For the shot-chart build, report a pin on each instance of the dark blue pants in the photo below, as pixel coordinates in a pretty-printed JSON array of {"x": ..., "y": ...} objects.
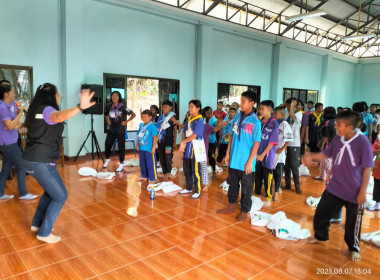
[
  {"x": 52, "y": 200},
  {"x": 12, "y": 156},
  {"x": 148, "y": 163}
]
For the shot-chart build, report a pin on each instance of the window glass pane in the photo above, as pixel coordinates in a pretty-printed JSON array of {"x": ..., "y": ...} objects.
[
  {"x": 295, "y": 93},
  {"x": 303, "y": 96},
  {"x": 312, "y": 95},
  {"x": 287, "y": 95}
]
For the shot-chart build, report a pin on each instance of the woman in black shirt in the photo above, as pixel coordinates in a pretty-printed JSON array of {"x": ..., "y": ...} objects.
[{"x": 116, "y": 117}]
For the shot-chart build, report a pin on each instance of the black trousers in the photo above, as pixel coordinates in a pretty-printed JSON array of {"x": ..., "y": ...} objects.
[
  {"x": 266, "y": 174},
  {"x": 291, "y": 165},
  {"x": 328, "y": 207},
  {"x": 303, "y": 147},
  {"x": 376, "y": 190},
  {"x": 222, "y": 152},
  {"x": 192, "y": 174},
  {"x": 314, "y": 147},
  {"x": 211, "y": 155},
  {"x": 234, "y": 178},
  {"x": 277, "y": 176},
  {"x": 111, "y": 136},
  {"x": 166, "y": 158}
]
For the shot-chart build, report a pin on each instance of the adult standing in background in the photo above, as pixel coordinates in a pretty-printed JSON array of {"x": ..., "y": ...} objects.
[
  {"x": 10, "y": 116},
  {"x": 116, "y": 117},
  {"x": 45, "y": 122}
]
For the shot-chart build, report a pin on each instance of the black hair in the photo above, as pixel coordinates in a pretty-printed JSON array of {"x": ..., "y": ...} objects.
[
  {"x": 317, "y": 105},
  {"x": 4, "y": 82},
  {"x": 267, "y": 103},
  {"x": 373, "y": 104},
  {"x": 378, "y": 111},
  {"x": 147, "y": 112},
  {"x": 4, "y": 88},
  {"x": 365, "y": 106},
  {"x": 347, "y": 109},
  {"x": 279, "y": 108},
  {"x": 205, "y": 109},
  {"x": 329, "y": 113},
  {"x": 358, "y": 107},
  {"x": 119, "y": 94},
  {"x": 289, "y": 100},
  {"x": 155, "y": 107},
  {"x": 310, "y": 102},
  {"x": 250, "y": 95},
  {"x": 86, "y": 86},
  {"x": 340, "y": 108},
  {"x": 351, "y": 118},
  {"x": 221, "y": 102},
  {"x": 45, "y": 96},
  {"x": 300, "y": 102},
  {"x": 234, "y": 109},
  {"x": 167, "y": 102},
  {"x": 196, "y": 103}
]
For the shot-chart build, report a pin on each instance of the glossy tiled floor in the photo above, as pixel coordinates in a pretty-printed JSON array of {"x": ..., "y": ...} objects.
[{"x": 171, "y": 237}]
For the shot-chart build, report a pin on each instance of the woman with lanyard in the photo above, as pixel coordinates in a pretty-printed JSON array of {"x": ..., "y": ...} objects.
[
  {"x": 45, "y": 122},
  {"x": 193, "y": 129},
  {"x": 10, "y": 116},
  {"x": 116, "y": 118}
]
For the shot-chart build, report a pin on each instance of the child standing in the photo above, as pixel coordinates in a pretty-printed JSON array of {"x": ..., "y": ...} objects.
[
  {"x": 313, "y": 129},
  {"x": 352, "y": 156},
  {"x": 245, "y": 137},
  {"x": 293, "y": 150},
  {"x": 285, "y": 136},
  {"x": 192, "y": 130},
  {"x": 210, "y": 124},
  {"x": 146, "y": 146},
  {"x": 219, "y": 113},
  {"x": 376, "y": 175},
  {"x": 225, "y": 135},
  {"x": 267, "y": 151},
  {"x": 166, "y": 134}
]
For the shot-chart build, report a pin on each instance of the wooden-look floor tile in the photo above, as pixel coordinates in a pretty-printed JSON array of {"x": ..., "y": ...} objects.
[
  {"x": 179, "y": 234},
  {"x": 108, "y": 259},
  {"x": 94, "y": 209},
  {"x": 158, "y": 221},
  {"x": 89, "y": 242},
  {"x": 185, "y": 213},
  {"x": 24, "y": 276},
  {"x": 25, "y": 240},
  {"x": 68, "y": 215},
  {"x": 109, "y": 219},
  {"x": 172, "y": 262},
  {"x": 147, "y": 245},
  {"x": 233, "y": 235},
  {"x": 45, "y": 255},
  {"x": 207, "y": 224},
  {"x": 6, "y": 246},
  {"x": 126, "y": 231},
  {"x": 206, "y": 248},
  {"x": 238, "y": 265},
  {"x": 3, "y": 233},
  {"x": 11, "y": 264},
  {"x": 202, "y": 272},
  {"x": 70, "y": 269},
  {"x": 15, "y": 227},
  {"x": 135, "y": 271},
  {"x": 274, "y": 274},
  {"x": 74, "y": 228},
  {"x": 119, "y": 203}
]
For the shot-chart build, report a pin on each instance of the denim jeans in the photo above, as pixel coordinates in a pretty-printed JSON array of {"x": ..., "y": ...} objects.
[
  {"x": 52, "y": 200},
  {"x": 12, "y": 156}
]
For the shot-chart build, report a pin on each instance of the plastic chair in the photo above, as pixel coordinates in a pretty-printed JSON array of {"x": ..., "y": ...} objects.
[{"x": 127, "y": 140}]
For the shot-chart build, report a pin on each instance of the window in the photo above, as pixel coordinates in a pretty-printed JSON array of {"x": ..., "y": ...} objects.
[
  {"x": 232, "y": 93},
  {"x": 304, "y": 95},
  {"x": 139, "y": 93}
]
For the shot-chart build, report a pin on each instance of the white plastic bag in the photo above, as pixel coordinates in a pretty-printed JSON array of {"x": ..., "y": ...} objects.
[{"x": 199, "y": 150}]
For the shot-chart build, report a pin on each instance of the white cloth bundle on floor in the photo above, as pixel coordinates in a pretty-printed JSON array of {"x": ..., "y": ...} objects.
[
  {"x": 132, "y": 162},
  {"x": 303, "y": 171},
  {"x": 376, "y": 240},
  {"x": 313, "y": 201},
  {"x": 224, "y": 185},
  {"x": 218, "y": 169},
  {"x": 260, "y": 219},
  {"x": 166, "y": 187},
  {"x": 174, "y": 171},
  {"x": 181, "y": 169},
  {"x": 87, "y": 171},
  {"x": 369, "y": 235},
  {"x": 257, "y": 203}
]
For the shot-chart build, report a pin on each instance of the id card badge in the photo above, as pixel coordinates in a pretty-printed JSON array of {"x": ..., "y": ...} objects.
[
  {"x": 189, "y": 133},
  {"x": 236, "y": 128},
  {"x": 141, "y": 134}
]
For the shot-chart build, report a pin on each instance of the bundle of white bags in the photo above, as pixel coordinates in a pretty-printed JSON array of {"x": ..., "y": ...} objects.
[
  {"x": 166, "y": 187},
  {"x": 373, "y": 237},
  {"x": 88, "y": 171},
  {"x": 132, "y": 162}
]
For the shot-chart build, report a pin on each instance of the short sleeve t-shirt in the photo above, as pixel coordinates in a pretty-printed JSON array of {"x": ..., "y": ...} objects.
[
  {"x": 296, "y": 128},
  {"x": 349, "y": 160},
  {"x": 197, "y": 127},
  {"x": 145, "y": 136},
  {"x": 219, "y": 116},
  {"x": 213, "y": 121},
  {"x": 269, "y": 135},
  {"x": 166, "y": 137},
  {"x": 225, "y": 132},
  {"x": 328, "y": 131},
  {"x": 46, "y": 115},
  {"x": 7, "y": 112},
  {"x": 285, "y": 134},
  {"x": 368, "y": 119},
  {"x": 245, "y": 131},
  {"x": 207, "y": 133},
  {"x": 117, "y": 114}
]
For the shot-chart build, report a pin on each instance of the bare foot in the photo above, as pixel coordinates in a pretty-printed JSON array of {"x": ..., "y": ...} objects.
[
  {"x": 166, "y": 176},
  {"x": 280, "y": 190},
  {"x": 276, "y": 199},
  {"x": 205, "y": 188},
  {"x": 313, "y": 240},
  {"x": 153, "y": 182},
  {"x": 267, "y": 204},
  {"x": 355, "y": 256},
  {"x": 142, "y": 179}
]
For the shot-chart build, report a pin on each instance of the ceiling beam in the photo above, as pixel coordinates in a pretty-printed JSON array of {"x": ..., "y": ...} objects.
[
  {"x": 213, "y": 5},
  {"x": 273, "y": 19}
]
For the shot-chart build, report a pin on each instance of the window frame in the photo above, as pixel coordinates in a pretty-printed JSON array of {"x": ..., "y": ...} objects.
[{"x": 299, "y": 93}]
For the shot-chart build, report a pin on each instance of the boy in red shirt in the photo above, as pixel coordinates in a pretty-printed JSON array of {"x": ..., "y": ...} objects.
[
  {"x": 219, "y": 113},
  {"x": 376, "y": 175}
]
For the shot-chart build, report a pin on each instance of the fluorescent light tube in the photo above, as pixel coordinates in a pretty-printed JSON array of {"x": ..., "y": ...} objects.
[
  {"x": 316, "y": 13},
  {"x": 357, "y": 37}
]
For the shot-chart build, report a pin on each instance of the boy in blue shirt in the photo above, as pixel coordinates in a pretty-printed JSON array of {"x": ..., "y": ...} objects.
[
  {"x": 146, "y": 146},
  {"x": 245, "y": 137},
  {"x": 267, "y": 151}
]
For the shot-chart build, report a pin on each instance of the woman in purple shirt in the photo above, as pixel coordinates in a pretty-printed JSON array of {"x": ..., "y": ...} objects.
[
  {"x": 45, "y": 122},
  {"x": 10, "y": 116}
]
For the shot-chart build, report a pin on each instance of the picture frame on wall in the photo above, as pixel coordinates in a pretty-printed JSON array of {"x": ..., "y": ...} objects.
[{"x": 21, "y": 79}]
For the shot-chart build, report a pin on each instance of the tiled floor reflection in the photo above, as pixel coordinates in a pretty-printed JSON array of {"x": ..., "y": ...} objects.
[{"x": 112, "y": 230}]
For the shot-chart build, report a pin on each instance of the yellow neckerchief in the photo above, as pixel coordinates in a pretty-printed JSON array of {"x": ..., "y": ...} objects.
[
  {"x": 192, "y": 119},
  {"x": 301, "y": 111},
  {"x": 318, "y": 121}
]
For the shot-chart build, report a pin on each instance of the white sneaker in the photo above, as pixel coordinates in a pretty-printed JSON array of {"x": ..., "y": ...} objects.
[
  {"x": 120, "y": 168},
  {"x": 28, "y": 196},
  {"x": 185, "y": 191},
  {"x": 49, "y": 239},
  {"x": 195, "y": 195},
  {"x": 6, "y": 196},
  {"x": 106, "y": 163}
]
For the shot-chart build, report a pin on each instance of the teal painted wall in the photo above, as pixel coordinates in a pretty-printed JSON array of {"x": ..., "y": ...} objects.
[{"x": 70, "y": 42}]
